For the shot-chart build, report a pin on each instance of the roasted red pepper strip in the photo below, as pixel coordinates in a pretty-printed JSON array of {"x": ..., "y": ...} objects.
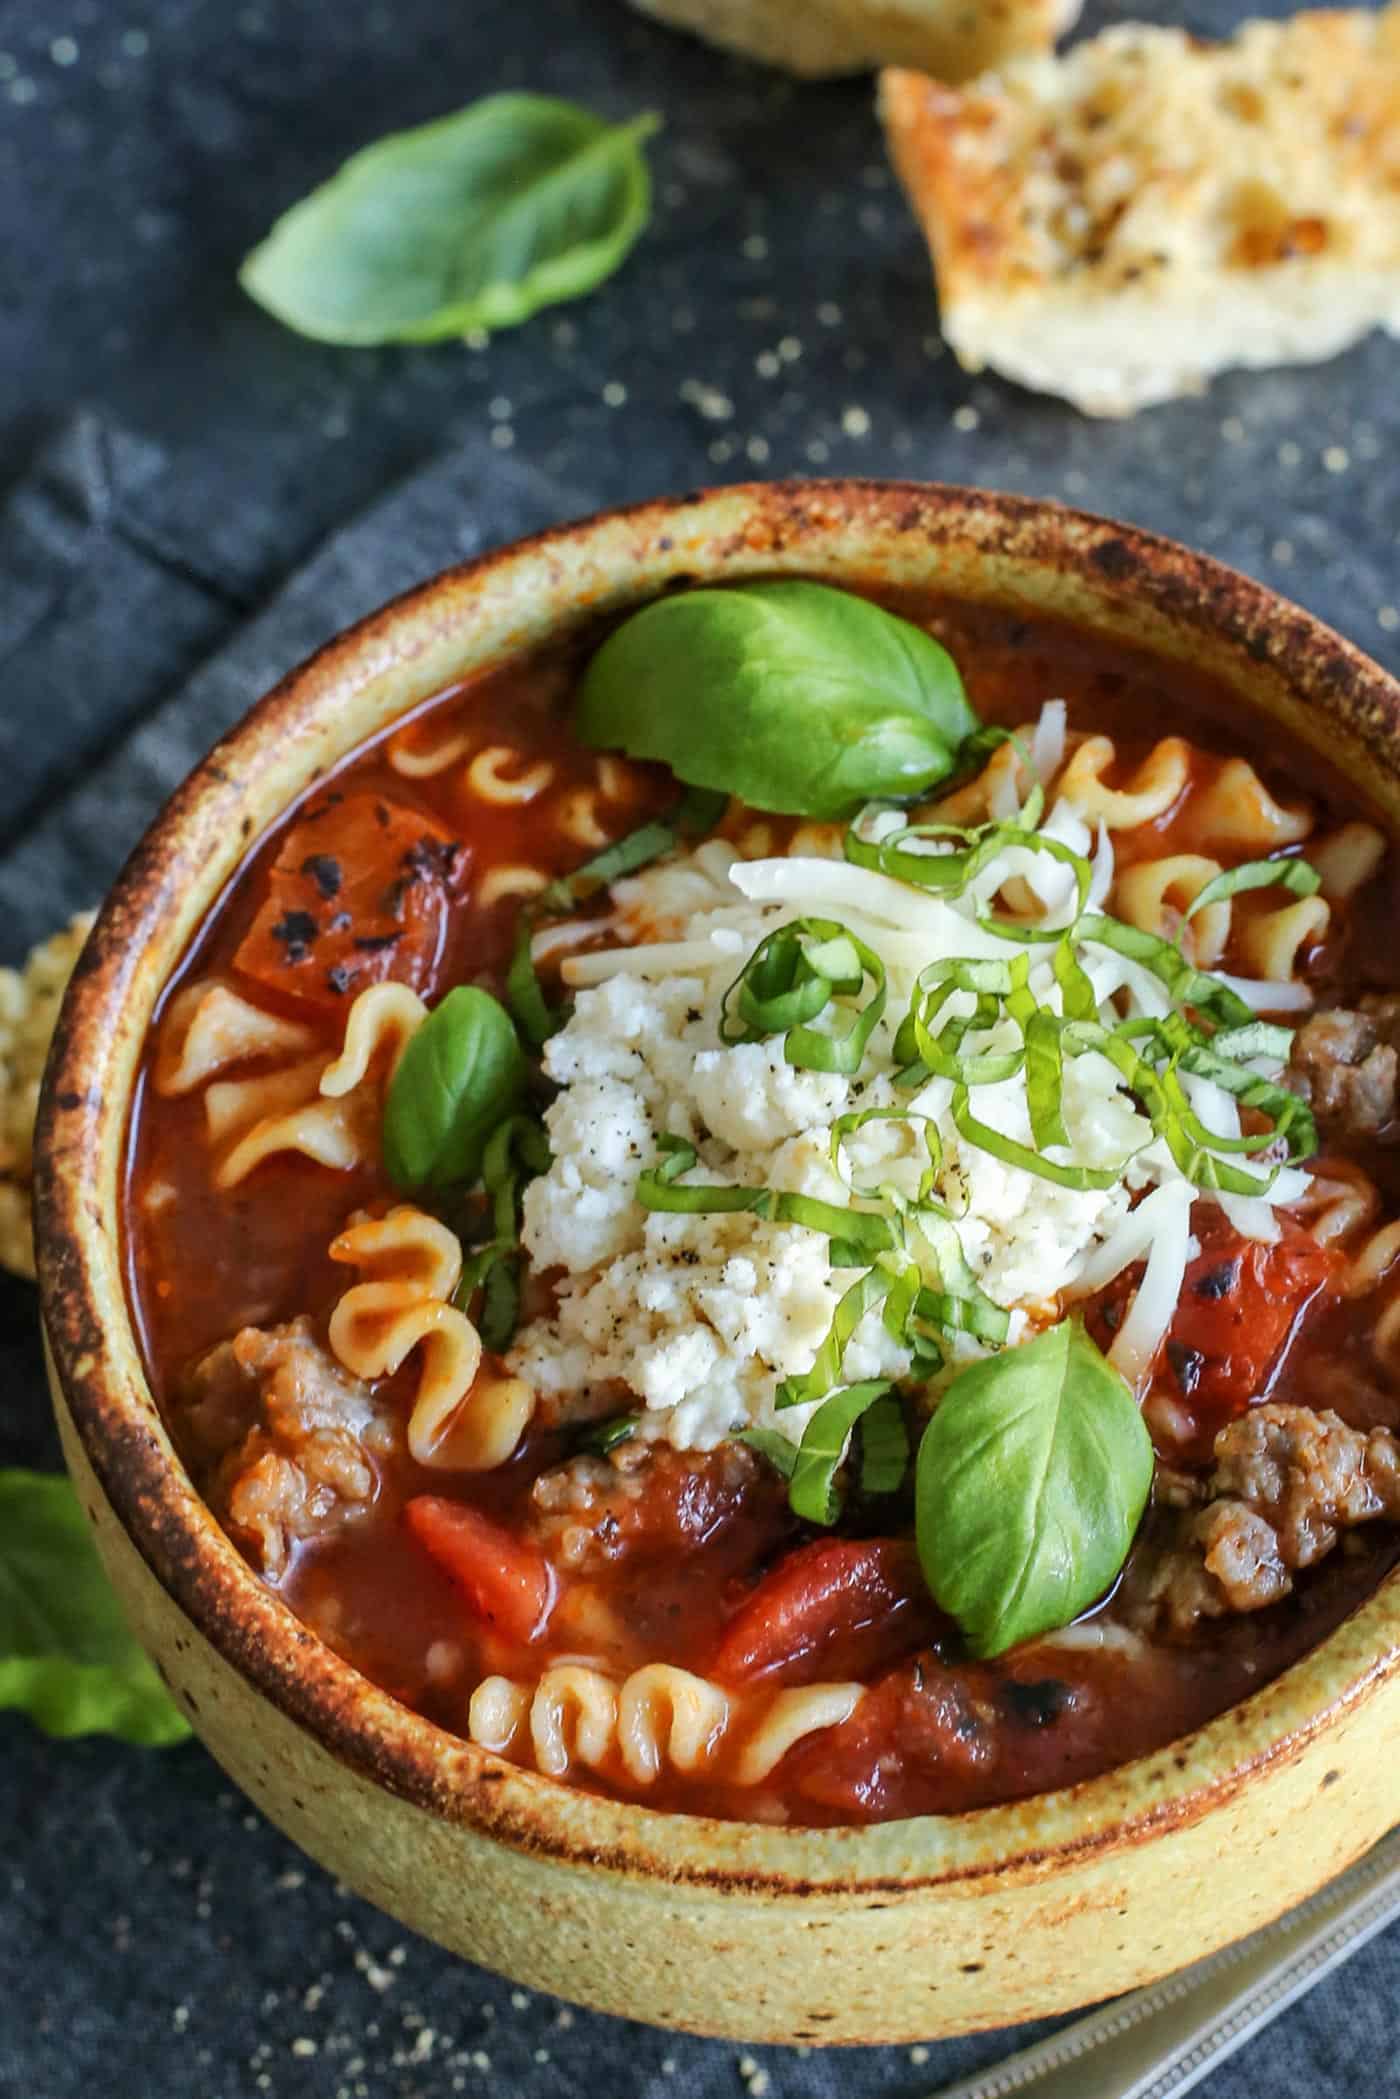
[{"x": 358, "y": 894}]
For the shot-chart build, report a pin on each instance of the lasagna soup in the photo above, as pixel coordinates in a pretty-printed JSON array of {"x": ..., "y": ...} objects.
[{"x": 787, "y": 1312}]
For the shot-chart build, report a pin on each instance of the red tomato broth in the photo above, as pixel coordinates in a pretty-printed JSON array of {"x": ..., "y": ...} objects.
[{"x": 393, "y": 1594}]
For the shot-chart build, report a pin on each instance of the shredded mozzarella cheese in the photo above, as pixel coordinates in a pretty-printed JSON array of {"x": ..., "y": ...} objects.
[{"x": 699, "y": 1317}]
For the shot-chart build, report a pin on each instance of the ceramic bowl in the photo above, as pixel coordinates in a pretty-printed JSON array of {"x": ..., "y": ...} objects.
[{"x": 908, "y": 1930}]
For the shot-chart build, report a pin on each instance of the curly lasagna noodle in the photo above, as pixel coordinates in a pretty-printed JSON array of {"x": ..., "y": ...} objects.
[{"x": 799, "y": 1316}]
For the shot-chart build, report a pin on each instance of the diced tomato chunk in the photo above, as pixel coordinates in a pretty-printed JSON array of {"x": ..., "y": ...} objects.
[
  {"x": 933, "y": 1737},
  {"x": 506, "y": 1582},
  {"x": 921, "y": 1730},
  {"x": 1241, "y": 1306},
  {"x": 841, "y": 1605},
  {"x": 358, "y": 895}
]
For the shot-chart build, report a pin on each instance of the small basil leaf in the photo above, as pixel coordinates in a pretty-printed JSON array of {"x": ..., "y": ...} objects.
[
  {"x": 1032, "y": 1477},
  {"x": 796, "y": 697},
  {"x": 475, "y": 221},
  {"x": 462, "y": 1074},
  {"x": 66, "y": 1656}
]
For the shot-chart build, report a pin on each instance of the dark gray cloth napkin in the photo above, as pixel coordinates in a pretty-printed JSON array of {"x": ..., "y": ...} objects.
[{"x": 156, "y": 1935}]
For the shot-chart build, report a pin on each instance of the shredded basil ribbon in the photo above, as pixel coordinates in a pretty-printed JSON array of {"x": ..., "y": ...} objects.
[
  {"x": 1188, "y": 985},
  {"x": 697, "y": 811},
  {"x": 915, "y": 1272},
  {"x": 966, "y": 852},
  {"x": 884, "y": 1446},
  {"x": 904, "y": 1246},
  {"x": 811, "y": 1467},
  {"x": 864, "y": 1233},
  {"x": 1023, "y": 1156},
  {"x": 790, "y": 980},
  {"x": 516, "y": 1151},
  {"x": 770, "y": 1443},
  {"x": 846, "y": 1126},
  {"x": 657, "y": 1190},
  {"x": 602, "y": 1436},
  {"x": 814, "y": 1492},
  {"x": 869, "y": 1290},
  {"x": 1298, "y": 876}
]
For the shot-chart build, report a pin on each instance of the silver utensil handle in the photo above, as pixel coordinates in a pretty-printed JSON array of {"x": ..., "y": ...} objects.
[{"x": 1159, "y": 2042}]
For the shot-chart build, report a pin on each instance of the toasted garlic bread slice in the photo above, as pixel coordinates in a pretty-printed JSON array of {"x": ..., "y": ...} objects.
[
  {"x": 953, "y": 39},
  {"x": 29, "y": 1003},
  {"x": 1118, "y": 224}
]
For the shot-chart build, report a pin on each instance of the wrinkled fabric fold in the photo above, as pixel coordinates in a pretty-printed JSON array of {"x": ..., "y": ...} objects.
[{"x": 127, "y": 655}]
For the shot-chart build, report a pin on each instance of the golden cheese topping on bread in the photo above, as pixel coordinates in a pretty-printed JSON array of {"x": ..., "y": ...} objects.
[
  {"x": 1118, "y": 224},
  {"x": 954, "y": 39}
]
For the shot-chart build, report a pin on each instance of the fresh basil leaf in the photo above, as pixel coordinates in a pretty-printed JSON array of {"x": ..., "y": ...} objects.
[
  {"x": 66, "y": 1656},
  {"x": 476, "y": 221},
  {"x": 796, "y": 697},
  {"x": 1299, "y": 877},
  {"x": 1032, "y": 1477},
  {"x": 462, "y": 1074}
]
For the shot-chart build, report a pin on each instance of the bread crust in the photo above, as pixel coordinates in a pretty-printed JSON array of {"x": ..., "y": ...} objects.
[
  {"x": 950, "y": 38},
  {"x": 1118, "y": 224},
  {"x": 29, "y": 1003}
]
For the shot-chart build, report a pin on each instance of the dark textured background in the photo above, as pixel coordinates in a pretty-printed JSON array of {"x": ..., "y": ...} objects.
[{"x": 156, "y": 1937}]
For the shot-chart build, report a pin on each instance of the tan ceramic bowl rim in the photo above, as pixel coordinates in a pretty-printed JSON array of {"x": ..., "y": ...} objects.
[{"x": 82, "y": 1126}]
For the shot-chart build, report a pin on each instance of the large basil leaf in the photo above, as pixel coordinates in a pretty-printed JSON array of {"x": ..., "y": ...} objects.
[
  {"x": 1032, "y": 1477},
  {"x": 476, "y": 221},
  {"x": 797, "y": 697},
  {"x": 462, "y": 1074},
  {"x": 66, "y": 1656}
]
